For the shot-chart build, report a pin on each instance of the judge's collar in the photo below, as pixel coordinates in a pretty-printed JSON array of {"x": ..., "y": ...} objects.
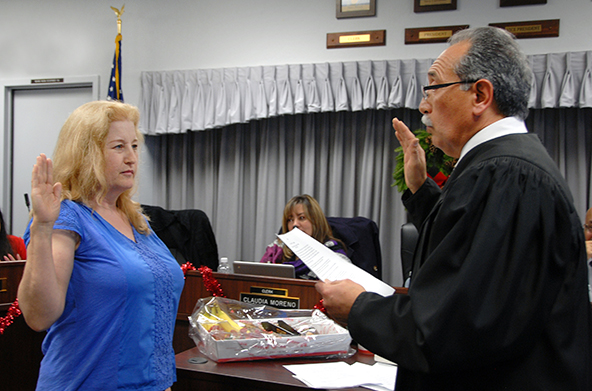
[{"x": 502, "y": 127}]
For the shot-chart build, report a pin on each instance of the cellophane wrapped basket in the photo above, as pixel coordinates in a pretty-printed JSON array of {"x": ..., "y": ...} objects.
[{"x": 229, "y": 330}]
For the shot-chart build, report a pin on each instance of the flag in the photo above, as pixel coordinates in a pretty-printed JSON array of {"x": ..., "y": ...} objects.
[{"x": 115, "y": 92}]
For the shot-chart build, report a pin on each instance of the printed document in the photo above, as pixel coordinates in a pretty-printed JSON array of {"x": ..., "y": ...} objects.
[
  {"x": 380, "y": 376},
  {"x": 327, "y": 265}
]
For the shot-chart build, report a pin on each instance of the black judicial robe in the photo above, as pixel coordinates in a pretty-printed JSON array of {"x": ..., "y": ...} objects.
[{"x": 498, "y": 297}]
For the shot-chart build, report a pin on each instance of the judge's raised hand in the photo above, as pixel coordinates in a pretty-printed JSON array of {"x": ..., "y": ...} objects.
[
  {"x": 589, "y": 248},
  {"x": 45, "y": 195},
  {"x": 339, "y": 297},
  {"x": 415, "y": 160}
]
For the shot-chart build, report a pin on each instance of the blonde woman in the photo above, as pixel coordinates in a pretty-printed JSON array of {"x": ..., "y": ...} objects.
[{"x": 97, "y": 278}]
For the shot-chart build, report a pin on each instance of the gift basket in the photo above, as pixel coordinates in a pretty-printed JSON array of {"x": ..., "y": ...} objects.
[{"x": 229, "y": 330}]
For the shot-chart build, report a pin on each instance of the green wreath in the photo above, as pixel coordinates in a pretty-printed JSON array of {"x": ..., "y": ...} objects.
[{"x": 436, "y": 160}]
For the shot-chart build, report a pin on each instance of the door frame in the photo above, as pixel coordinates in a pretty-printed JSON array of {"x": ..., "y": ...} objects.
[{"x": 8, "y": 87}]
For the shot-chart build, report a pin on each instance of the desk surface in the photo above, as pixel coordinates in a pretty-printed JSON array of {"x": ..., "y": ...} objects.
[{"x": 245, "y": 375}]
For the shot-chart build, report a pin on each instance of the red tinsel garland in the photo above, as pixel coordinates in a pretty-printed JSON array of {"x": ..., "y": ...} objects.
[
  {"x": 13, "y": 312},
  {"x": 211, "y": 284},
  {"x": 187, "y": 266}
]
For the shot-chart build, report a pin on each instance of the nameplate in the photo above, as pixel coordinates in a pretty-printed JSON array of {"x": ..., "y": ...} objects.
[
  {"x": 357, "y": 38},
  {"x": 278, "y": 301},
  {"x": 3, "y": 284},
  {"x": 531, "y": 29},
  {"x": 269, "y": 291},
  {"x": 431, "y": 34}
]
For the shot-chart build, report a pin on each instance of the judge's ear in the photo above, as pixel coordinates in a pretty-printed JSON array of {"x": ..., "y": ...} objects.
[{"x": 483, "y": 98}]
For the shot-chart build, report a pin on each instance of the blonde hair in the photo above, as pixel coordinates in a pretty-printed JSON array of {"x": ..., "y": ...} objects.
[
  {"x": 79, "y": 162},
  {"x": 321, "y": 230}
]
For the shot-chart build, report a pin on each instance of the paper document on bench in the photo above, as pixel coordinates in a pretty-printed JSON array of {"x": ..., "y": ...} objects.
[
  {"x": 378, "y": 376},
  {"x": 327, "y": 265}
]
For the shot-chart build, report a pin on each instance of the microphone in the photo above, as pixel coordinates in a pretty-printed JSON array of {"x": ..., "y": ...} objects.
[{"x": 27, "y": 202}]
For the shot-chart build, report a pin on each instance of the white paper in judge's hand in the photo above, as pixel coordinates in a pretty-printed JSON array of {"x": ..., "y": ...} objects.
[{"x": 327, "y": 265}]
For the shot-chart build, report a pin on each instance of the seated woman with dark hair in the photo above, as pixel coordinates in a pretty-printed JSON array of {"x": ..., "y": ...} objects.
[
  {"x": 12, "y": 248},
  {"x": 305, "y": 213}
]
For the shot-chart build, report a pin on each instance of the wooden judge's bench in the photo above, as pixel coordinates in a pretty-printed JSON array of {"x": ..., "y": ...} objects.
[{"x": 250, "y": 375}]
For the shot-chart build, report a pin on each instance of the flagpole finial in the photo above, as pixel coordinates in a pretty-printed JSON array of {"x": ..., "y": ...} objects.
[
  {"x": 114, "y": 92},
  {"x": 118, "y": 13}
]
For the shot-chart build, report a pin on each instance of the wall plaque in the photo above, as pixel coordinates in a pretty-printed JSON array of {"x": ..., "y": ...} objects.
[
  {"x": 356, "y": 38},
  {"x": 434, "y": 5},
  {"x": 355, "y": 8},
  {"x": 431, "y": 34},
  {"x": 531, "y": 29},
  {"x": 512, "y": 3}
]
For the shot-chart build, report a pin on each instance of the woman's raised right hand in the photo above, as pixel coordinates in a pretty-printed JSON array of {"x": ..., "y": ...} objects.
[{"x": 45, "y": 195}]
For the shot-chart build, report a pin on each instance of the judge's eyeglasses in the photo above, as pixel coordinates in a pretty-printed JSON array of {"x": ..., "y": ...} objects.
[
  {"x": 425, "y": 89},
  {"x": 588, "y": 227}
]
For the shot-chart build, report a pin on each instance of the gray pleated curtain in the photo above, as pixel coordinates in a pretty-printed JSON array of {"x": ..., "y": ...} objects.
[
  {"x": 179, "y": 101},
  {"x": 322, "y": 129}
]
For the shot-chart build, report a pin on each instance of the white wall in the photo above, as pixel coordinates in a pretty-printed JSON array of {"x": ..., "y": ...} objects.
[{"x": 61, "y": 38}]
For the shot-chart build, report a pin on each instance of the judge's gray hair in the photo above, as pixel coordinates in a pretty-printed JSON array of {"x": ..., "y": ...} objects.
[{"x": 494, "y": 55}]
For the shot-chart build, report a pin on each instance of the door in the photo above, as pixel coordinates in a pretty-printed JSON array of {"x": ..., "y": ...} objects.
[{"x": 37, "y": 117}]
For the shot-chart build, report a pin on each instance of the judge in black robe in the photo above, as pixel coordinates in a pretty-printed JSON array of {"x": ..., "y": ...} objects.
[
  {"x": 498, "y": 296},
  {"x": 498, "y": 293}
]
